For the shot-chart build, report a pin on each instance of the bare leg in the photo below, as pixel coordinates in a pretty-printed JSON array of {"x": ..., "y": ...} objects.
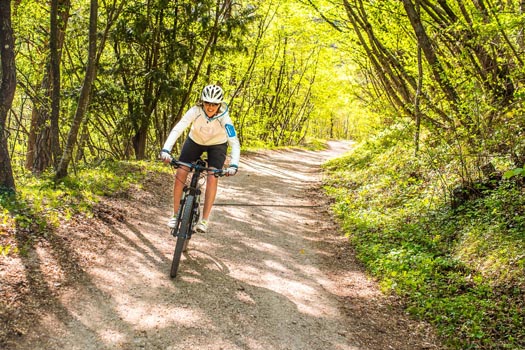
[
  {"x": 209, "y": 197},
  {"x": 180, "y": 180}
]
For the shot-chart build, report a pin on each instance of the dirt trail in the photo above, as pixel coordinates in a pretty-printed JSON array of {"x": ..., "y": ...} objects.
[{"x": 272, "y": 273}]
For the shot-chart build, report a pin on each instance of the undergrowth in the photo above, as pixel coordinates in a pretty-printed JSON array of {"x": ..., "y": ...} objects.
[
  {"x": 462, "y": 270},
  {"x": 40, "y": 203}
]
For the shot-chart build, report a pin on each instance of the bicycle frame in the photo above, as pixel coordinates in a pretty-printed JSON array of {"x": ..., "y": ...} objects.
[
  {"x": 189, "y": 207},
  {"x": 191, "y": 192}
]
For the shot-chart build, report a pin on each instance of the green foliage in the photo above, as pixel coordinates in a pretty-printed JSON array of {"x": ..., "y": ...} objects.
[
  {"x": 17, "y": 219},
  {"x": 462, "y": 270},
  {"x": 514, "y": 172},
  {"x": 314, "y": 144},
  {"x": 281, "y": 67},
  {"x": 286, "y": 82},
  {"x": 467, "y": 80}
]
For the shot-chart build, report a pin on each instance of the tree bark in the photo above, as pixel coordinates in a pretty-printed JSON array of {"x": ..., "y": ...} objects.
[
  {"x": 7, "y": 92},
  {"x": 59, "y": 18},
  {"x": 430, "y": 55},
  {"x": 85, "y": 94},
  {"x": 43, "y": 148},
  {"x": 151, "y": 95},
  {"x": 417, "y": 100}
]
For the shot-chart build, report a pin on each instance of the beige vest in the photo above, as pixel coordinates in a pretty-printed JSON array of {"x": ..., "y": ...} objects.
[{"x": 207, "y": 133}]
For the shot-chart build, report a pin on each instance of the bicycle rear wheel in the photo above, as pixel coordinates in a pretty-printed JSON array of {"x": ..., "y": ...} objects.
[{"x": 182, "y": 236}]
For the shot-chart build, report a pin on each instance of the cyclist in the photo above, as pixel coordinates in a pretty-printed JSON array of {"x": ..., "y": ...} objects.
[{"x": 211, "y": 131}]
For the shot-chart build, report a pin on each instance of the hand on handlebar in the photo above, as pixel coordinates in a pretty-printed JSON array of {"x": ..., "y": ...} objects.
[
  {"x": 165, "y": 156},
  {"x": 232, "y": 170}
]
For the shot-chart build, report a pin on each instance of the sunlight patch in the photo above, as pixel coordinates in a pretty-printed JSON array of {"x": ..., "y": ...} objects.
[
  {"x": 110, "y": 336},
  {"x": 307, "y": 299},
  {"x": 147, "y": 316}
]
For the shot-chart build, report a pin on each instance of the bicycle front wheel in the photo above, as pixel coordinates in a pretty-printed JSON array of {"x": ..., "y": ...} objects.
[{"x": 182, "y": 236}]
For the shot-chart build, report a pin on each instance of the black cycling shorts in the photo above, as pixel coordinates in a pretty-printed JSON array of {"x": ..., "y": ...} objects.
[{"x": 191, "y": 151}]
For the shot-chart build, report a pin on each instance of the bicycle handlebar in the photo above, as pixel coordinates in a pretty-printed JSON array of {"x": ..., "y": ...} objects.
[{"x": 195, "y": 166}]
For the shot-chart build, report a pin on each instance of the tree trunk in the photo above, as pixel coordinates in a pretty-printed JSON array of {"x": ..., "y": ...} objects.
[
  {"x": 7, "y": 92},
  {"x": 59, "y": 18},
  {"x": 43, "y": 148},
  {"x": 150, "y": 96},
  {"x": 417, "y": 100},
  {"x": 139, "y": 142},
  {"x": 521, "y": 35},
  {"x": 392, "y": 76},
  {"x": 85, "y": 94},
  {"x": 212, "y": 39},
  {"x": 430, "y": 54}
]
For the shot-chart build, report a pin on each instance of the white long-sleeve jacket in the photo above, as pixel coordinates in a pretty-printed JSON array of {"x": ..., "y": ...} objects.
[{"x": 207, "y": 131}]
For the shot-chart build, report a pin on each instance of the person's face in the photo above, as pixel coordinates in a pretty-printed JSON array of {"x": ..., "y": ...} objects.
[{"x": 211, "y": 108}]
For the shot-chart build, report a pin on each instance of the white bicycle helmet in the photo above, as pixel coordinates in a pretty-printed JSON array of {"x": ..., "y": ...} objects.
[{"x": 212, "y": 94}]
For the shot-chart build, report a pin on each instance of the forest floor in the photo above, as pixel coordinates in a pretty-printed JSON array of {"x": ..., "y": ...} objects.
[{"x": 273, "y": 272}]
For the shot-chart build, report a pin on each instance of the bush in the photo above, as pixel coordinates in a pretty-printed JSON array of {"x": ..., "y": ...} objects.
[{"x": 462, "y": 270}]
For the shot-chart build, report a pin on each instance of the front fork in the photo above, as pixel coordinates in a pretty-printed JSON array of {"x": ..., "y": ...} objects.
[
  {"x": 195, "y": 212},
  {"x": 175, "y": 230}
]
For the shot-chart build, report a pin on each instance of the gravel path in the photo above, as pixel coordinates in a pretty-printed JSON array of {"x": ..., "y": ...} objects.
[{"x": 273, "y": 272}]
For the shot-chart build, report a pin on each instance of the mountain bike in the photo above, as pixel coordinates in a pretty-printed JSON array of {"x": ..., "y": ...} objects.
[{"x": 189, "y": 209}]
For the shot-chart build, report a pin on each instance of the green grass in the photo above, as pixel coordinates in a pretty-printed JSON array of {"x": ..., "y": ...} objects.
[
  {"x": 310, "y": 144},
  {"x": 461, "y": 270},
  {"x": 40, "y": 204}
]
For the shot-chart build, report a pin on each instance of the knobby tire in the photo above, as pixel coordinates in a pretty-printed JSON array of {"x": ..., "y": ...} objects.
[{"x": 184, "y": 229}]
